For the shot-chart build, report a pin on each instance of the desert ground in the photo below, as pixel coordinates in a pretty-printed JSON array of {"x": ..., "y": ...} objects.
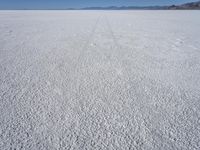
[{"x": 100, "y": 80}]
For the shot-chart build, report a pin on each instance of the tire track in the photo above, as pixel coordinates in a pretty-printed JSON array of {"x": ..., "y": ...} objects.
[
  {"x": 85, "y": 46},
  {"x": 80, "y": 61},
  {"x": 118, "y": 61},
  {"x": 112, "y": 34}
]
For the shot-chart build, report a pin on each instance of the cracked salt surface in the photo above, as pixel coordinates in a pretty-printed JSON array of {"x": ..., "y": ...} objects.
[{"x": 99, "y": 80}]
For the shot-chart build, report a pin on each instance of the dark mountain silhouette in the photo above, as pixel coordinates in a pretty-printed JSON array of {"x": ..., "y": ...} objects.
[{"x": 192, "y": 5}]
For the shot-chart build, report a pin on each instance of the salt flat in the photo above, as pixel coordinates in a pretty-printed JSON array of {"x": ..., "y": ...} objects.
[{"x": 100, "y": 80}]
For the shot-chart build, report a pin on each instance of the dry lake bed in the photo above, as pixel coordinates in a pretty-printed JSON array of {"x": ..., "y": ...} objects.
[{"x": 100, "y": 80}]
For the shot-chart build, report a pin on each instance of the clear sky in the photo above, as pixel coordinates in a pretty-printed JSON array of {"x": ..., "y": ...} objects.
[{"x": 62, "y": 4}]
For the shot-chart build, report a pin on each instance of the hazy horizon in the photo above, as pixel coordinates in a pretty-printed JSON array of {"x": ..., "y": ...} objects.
[{"x": 64, "y": 4}]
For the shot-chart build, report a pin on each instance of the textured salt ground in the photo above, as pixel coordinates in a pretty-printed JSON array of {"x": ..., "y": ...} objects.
[{"x": 99, "y": 80}]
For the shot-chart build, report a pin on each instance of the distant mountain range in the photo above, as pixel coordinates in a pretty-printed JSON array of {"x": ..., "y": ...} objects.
[
  {"x": 193, "y": 5},
  {"x": 126, "y": 8},
  {"x": 186, "y": 6}
]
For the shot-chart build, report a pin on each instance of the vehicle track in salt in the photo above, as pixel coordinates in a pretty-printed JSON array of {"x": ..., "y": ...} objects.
[{"x": 100, "y": 80}]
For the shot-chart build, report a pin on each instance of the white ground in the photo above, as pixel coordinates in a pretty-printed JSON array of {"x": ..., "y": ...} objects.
[{"x": 100, "y": 80}]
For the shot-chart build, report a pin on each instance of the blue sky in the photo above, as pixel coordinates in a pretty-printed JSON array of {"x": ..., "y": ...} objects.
[{"x": 61, "y": 4}]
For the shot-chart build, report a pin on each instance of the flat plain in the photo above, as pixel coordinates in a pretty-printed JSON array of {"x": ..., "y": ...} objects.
[{"x": 100, "y": 80}]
